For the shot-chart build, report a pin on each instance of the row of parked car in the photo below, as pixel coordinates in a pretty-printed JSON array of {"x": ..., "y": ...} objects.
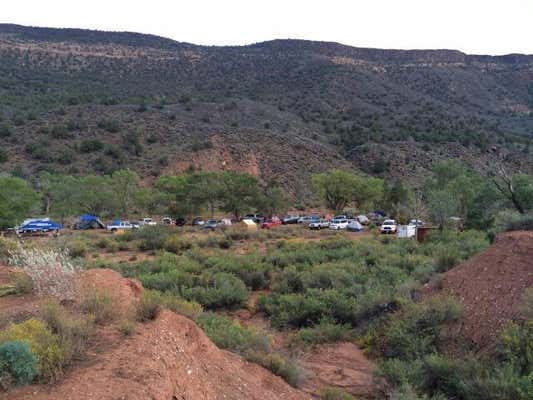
[{"x": 314, "y": 222}]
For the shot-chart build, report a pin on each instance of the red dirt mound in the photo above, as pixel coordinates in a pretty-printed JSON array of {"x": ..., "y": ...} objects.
[
  {"x": 490, "y": 286},
  {"x": 167, "y": 359},
  {"x": 125, "y": 292}
]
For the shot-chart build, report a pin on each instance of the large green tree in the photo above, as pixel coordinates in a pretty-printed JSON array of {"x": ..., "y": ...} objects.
[
  {"x": 177, "y": 192},
  {"x": 241, "y": 192},
  {"x": 454, "y": 190},
  {"x": 272, "y": 201},
  {"x": 124, "y": 185},
  {"x": 337, "y": 189},
  {"x": 17, "y": 200}
]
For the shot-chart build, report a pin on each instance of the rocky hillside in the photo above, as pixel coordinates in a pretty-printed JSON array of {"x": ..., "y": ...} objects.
[{"x": 81, "y": 101}]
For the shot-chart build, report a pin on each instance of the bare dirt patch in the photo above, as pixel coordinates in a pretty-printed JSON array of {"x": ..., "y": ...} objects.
[{"x": 340, "y": 365}]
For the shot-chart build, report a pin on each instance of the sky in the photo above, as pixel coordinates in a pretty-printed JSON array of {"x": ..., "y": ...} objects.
[{"x": 473, "y": 26}]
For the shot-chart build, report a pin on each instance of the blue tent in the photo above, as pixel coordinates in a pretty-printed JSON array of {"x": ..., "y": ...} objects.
[
  {"x": 88, "y": 221},
  {"x": 40, "y": 225}
]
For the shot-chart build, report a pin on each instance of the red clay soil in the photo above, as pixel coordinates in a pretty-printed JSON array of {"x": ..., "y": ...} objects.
[
  {"x": 167, "y": 359},
  {"x": 125, "y": 292},
  {"x": 490, "y": 286},
  {"x": 340, "y": 365}
]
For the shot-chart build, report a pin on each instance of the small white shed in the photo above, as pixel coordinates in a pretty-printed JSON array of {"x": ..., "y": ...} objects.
[{"x": 406, "y": 231}]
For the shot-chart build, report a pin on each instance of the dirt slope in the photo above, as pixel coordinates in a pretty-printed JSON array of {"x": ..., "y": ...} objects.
[
  {"x": 490, "y": 286},
  {"x": 167, "y": 359},
  {"x": 340, "y": 365},
  {"x": 170, "y": 358}
]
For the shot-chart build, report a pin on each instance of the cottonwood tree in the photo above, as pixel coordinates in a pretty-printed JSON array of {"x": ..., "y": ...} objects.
[
  {"x": 17, "y": 200},
  {"x": 273, "y": 201},
  {"x": 124, "y": 185},
  {"x": 207, "y": 188},
  {"x": 176, "y": 193},
  {"x": 462, "y": 185},
  {"x": 241, "y": 191},
  {"x": 337, "y": 189},
  {"x": 442, "y": 205},
  {"x": 516, "y": 188}
]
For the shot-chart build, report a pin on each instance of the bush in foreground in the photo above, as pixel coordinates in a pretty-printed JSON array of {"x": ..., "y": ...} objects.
[
  {"x": 17, "y": 363},
  {"x": 149, "y": 306},
  {"x": 50, "y": 351},
  {"x": 74, "y": 331},
  {"x": 99, "y": 304}
]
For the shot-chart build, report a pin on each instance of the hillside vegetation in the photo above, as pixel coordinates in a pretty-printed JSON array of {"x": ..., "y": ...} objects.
[{"x": 78, "y": 101}]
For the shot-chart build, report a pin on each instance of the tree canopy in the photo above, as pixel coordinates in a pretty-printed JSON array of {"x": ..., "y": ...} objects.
[
  {"x": 17, "y": 200},
  {"x": 337, "y": 189}
]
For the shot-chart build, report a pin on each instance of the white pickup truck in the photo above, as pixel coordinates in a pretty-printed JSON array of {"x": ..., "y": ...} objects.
[
  {"x": 118, "y": 224},
  {"x": 147, "y": 222}
]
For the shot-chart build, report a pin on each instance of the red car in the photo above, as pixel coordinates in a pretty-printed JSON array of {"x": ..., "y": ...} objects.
[{"x": 270, "y": 223}]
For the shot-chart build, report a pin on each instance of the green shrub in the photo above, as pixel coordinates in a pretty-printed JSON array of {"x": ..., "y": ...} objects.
[
  {"x": 152, "y": 237},
  {"x": 418, "y": 329},
  {"x": 126, "y": 327},
  {"x": 221, "y": 242},
  {"x": 7, "y": 246},
  {"x": 177, "y": 244},
  {"x": 292, "y": 310},
  {"x": 149, "y": 305},
  {"x": 22, "y": 282},
  {"x": 279, "y": 366},
  {"x": 220, "y": 290},
  {"x": 324, "y": 332},
  {"x": 227, "y": 334},
  {"x": 3, "y": 156},
  {"x": 527, "y": 304},
  {"x": 331, "y": 393},
  {"x": 73, "y": 331},
  {"x": 90, "y": 145},
  {"x": 519, "y": 223},
  {"x": 78, "y": 248},
  {"x": 252, "y": 271},
  {"x": 516, "y": 346},
  {"x": 110, "y": 125},
  {"x": 110, "y": 245},
  {"x": 51, "y": 352},
  {"x": 446, "y": 260},
  {"x": 189, "y": 309},
  {"x": 99, "y": 304},
  {"x": 17, "y": 360},
  {"x": 400, "y": 373},
  {"x": 172, "y": 280}
]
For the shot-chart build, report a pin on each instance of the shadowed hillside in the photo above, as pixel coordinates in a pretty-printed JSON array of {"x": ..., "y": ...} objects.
[{"x": 76, "y": 100}]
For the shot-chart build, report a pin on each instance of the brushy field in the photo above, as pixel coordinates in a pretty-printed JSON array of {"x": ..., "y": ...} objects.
[{"x": 318, "y": 287}]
